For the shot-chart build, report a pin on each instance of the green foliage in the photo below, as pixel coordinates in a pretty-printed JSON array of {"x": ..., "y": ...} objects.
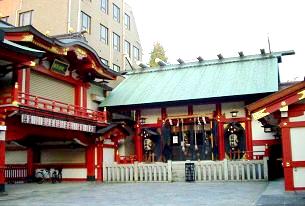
[{"x": 157, "y": 52}]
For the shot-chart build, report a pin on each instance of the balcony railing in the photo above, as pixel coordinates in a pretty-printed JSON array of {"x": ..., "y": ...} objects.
[{"x": 28, "y": 100}]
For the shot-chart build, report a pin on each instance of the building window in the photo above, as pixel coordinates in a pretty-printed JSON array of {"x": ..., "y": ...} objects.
[
  {"x": 116, "y": 13},
  {"x": 127, "y": 21},
  {"x": 104, "y": 61},
  {"x": 136, "y": 53},
  {"x": 104, "y": 6},
  {"x": 127, "y": 48},
  {"x": 116, "y": 42},
  {"x": 25, "y": 18},
  {"x": 104, "y": 34},
  {"x": 4, "y": 19},
  {"x": 116, "y": 68},
  {"x": 86, "y": 22}
]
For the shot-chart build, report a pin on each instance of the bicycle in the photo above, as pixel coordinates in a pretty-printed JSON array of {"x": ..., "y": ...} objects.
[{"x": 48, "y": 174}]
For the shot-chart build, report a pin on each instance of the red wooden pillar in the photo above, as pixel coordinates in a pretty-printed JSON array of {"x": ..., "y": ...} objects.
[
  {"x": 138, "y": 138},
  {"x": 77, "y": 99},
  {"x": 15, "y": 93},
  {"x": 116, "y": 151},
  {"x": 163, "y": 113},
  {"x": 30, "y": 160},
  {"x": 221, "y": 141},
  {"x": 190, "y": 110},
  {"x": 77, "y": 96},
  {"x": 84, "y": 99},
  {"x": 19, "y": 79},
  {"x": 287, "y": 155},
  {"x": 100, "y": 147},
  {"x": 27, "y": 80},
  {"x": 27, "y": 84},
  {"x": 249, "y": 143},
  {"x": 90, "y": 162},
  {"x": 2, "y": 158}
]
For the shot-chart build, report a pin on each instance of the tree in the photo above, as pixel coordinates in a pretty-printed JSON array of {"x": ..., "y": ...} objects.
[{"x": 157, "y": 52}]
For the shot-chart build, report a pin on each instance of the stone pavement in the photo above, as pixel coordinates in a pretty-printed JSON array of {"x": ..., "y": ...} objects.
[
  {"x": 275, "y": 195},
  {"x": 133, "y": 194}
]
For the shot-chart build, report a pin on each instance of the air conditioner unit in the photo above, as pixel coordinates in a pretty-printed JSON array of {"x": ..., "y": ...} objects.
[{"x": 97, "y": 98}]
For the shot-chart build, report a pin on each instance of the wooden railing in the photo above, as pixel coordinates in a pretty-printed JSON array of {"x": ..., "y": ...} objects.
[
  {"x": 249, "y": 170},
  {"x": 16, "y": 173},
  {"x": 5, "y": 100},
  {"x": 137, "y": 172},
  {"x": 205, "y": 171},
  {"x": 33, "y": 101}
]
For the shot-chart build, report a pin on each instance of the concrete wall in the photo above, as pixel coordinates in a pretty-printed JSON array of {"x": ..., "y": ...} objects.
[
  {"x": 58, "y": 21},
  {"x": 16, "y": 157},
  {"x": 77, "y": 173},
  {"x": 63, "y": 156},
  {"x": 9, "y": 8}
]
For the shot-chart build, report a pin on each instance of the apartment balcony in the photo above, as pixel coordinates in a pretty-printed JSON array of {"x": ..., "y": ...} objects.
[{"x": 29, "y": 102}]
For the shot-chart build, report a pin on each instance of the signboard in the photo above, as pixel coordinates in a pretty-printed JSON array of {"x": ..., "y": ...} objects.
[
  {"x": 56, "y": 123},
  {"x": 2, "y": 133},
  {"x": 59, "y": 66},
  {"x": 175, "y": 140}
]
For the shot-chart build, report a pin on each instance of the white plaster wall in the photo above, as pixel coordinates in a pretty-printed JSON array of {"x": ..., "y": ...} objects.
[
  {"x": 204, "y": 109},
  {"x": 297, "y": 136},
  {"x": 108, "y": 154},
  {"x": 175, "y": 111},
  {"x": 74, "y": 173},
  {"x": 108, "y": 141},
  {"x": 297, "y": 119},
  {"x": 228, "y": 107},
  {"x": 16, "y": 157},
  {"x": 63, "y": 156},
  {"x": 259, "y": 150},
  {"x": 258, "y": 132},
  {"x": 299, "y": 177},
  {"x": 151, "y": 115}
]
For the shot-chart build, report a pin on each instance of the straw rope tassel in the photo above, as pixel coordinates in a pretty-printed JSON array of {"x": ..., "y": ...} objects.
[
  {"x": 195, "y": 130},
  {"x": 212, "y": 140}
]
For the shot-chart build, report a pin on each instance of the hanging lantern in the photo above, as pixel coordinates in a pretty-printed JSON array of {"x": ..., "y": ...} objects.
[
  {"x": 234, "y": 113},
  {"x": 267, "y": 128}
]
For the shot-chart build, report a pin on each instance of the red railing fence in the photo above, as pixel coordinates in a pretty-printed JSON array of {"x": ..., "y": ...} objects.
[{"x": 16, "y": 173}]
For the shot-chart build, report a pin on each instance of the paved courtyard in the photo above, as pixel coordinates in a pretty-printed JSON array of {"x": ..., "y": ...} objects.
[{"x": 133, "y": 194}]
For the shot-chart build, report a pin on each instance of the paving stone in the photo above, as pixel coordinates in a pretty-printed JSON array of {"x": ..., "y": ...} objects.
[{"x": 155, "y": 194}]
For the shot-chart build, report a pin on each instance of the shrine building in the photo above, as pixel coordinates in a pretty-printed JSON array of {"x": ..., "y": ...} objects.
[
  {"x": 57, "y": 111},
  {"x": 50, "y": 91}
]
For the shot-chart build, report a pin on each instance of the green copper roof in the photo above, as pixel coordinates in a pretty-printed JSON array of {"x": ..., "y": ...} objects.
[{"x": 199, "y": 80}]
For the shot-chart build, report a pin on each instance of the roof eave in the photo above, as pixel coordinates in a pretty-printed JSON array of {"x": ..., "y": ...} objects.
[
  {"x": 108, "y": 73},
  {"x": 255, "y": 106}
]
